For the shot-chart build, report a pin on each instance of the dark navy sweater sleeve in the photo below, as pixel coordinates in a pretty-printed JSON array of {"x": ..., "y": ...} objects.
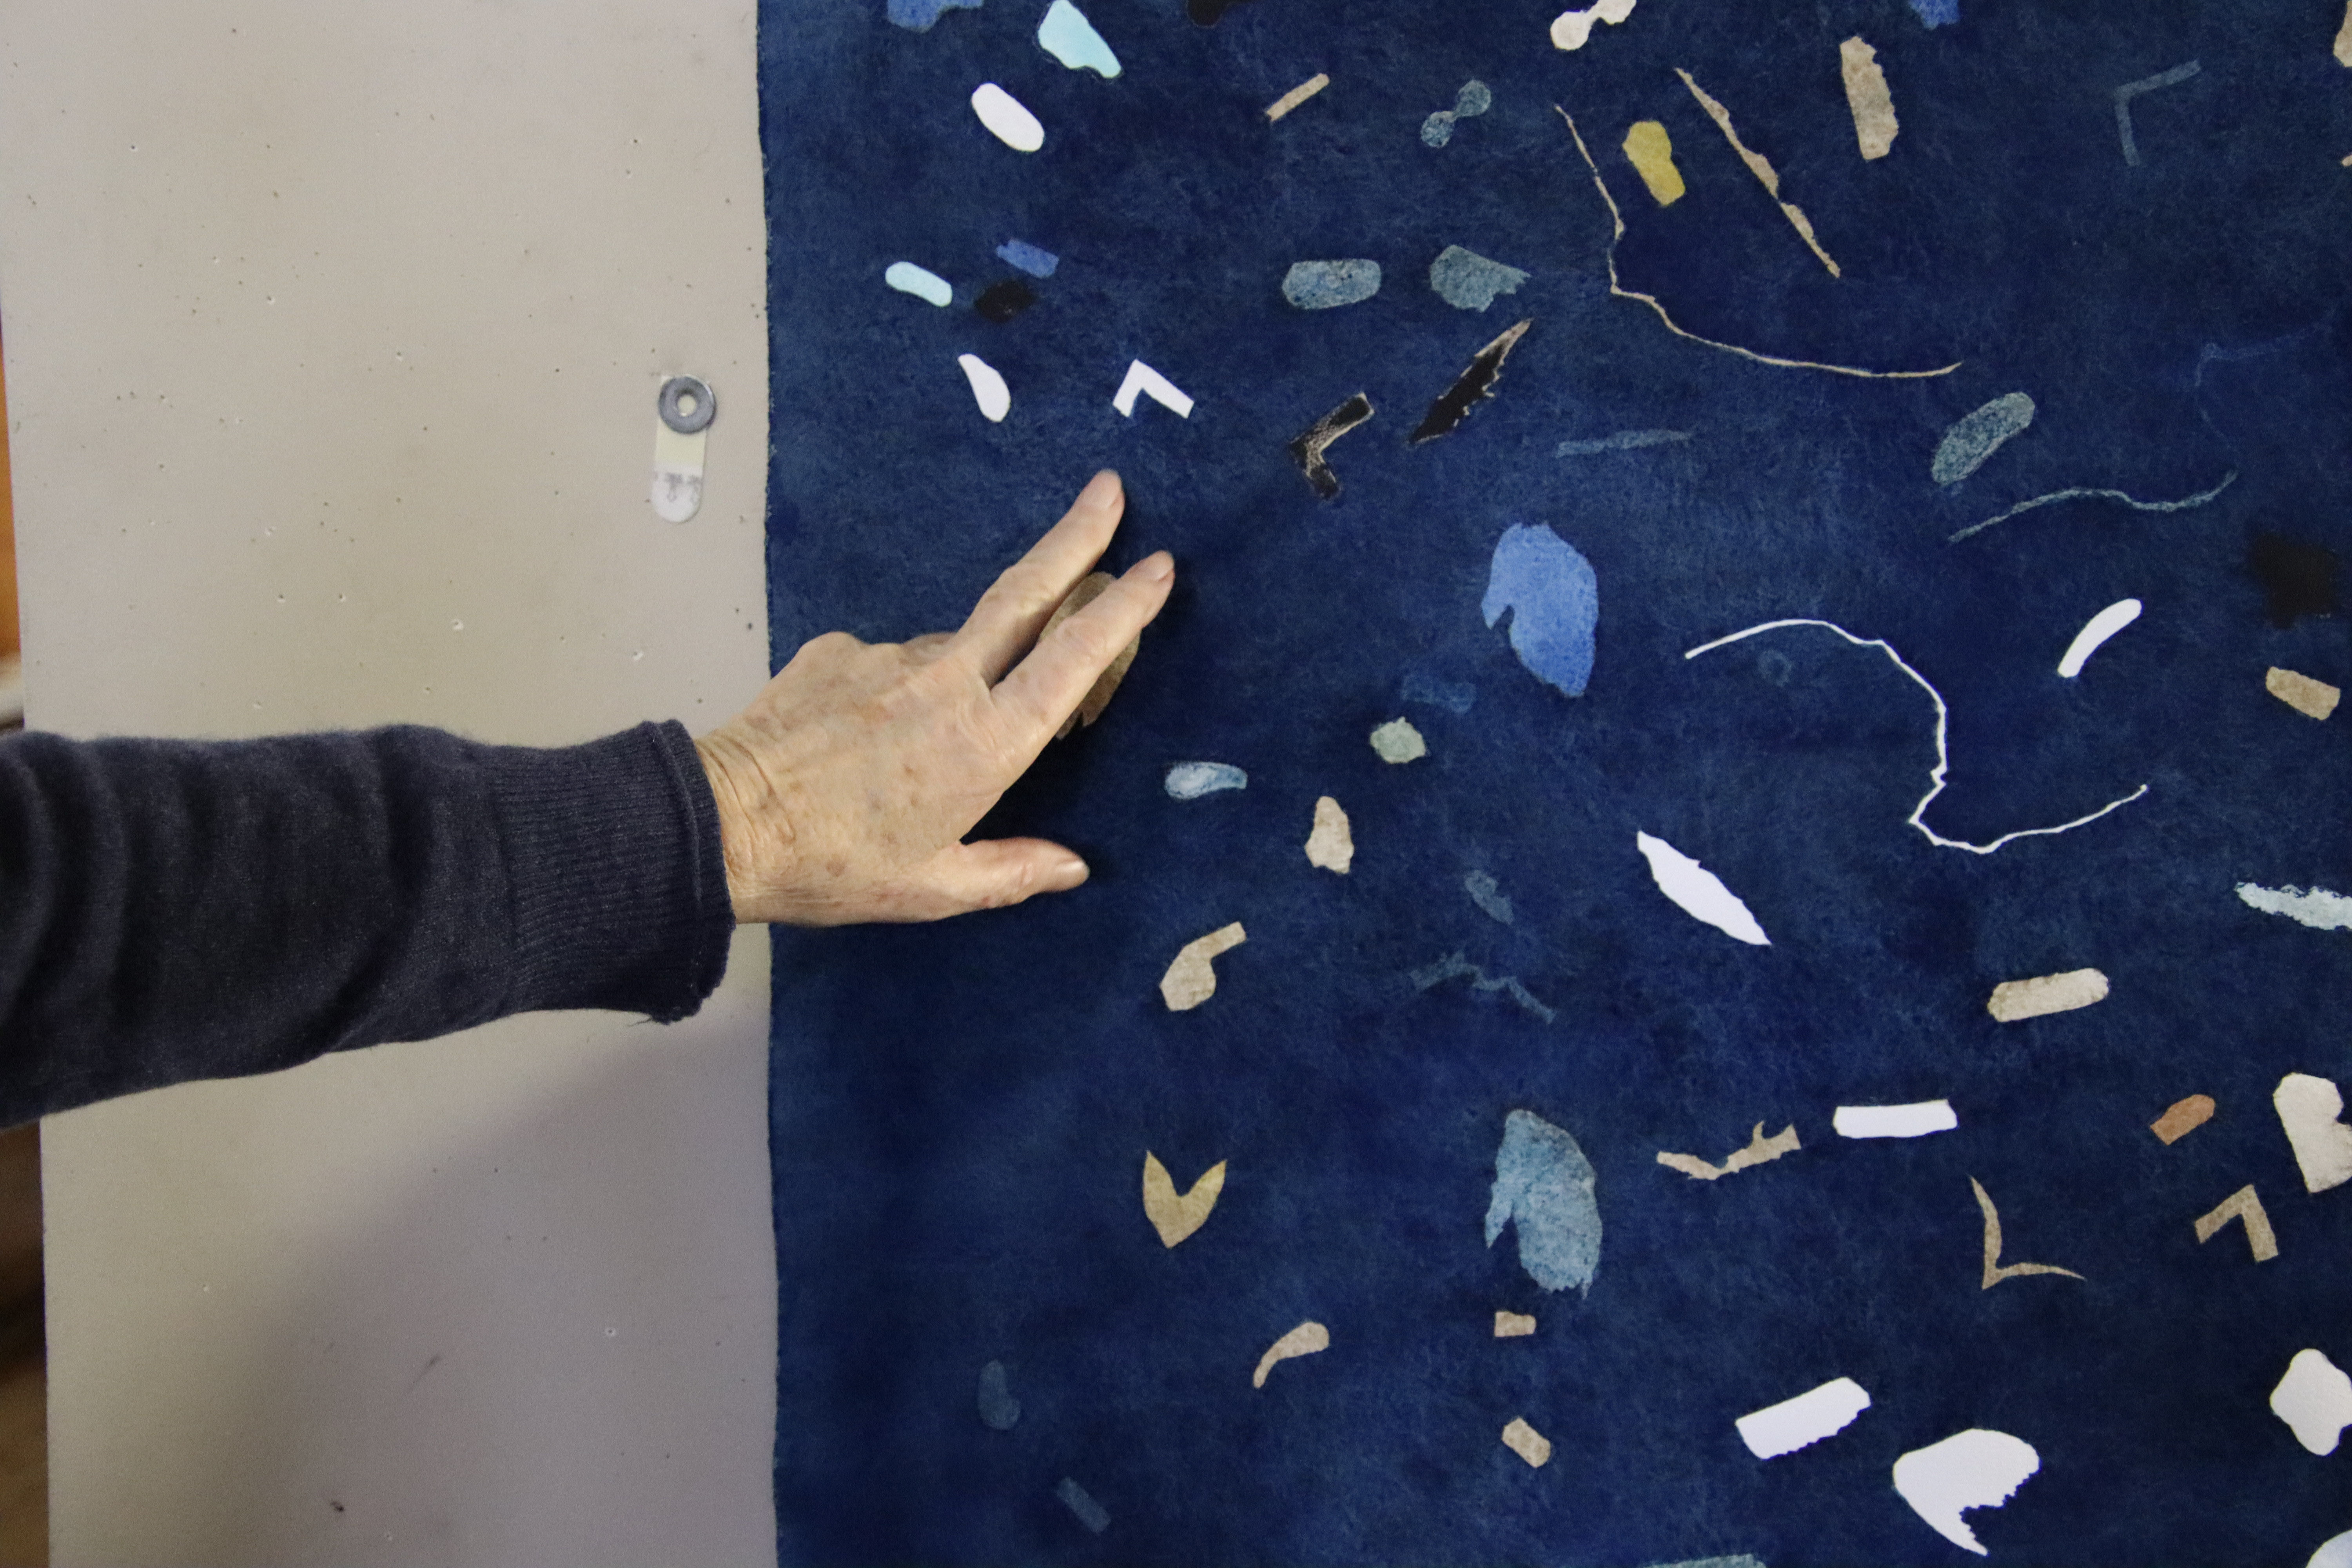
[{"x": 174, "y": 910}]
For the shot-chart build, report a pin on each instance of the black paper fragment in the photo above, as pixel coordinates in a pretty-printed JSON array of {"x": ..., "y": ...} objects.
[
  {"x": 1307, "y": 446},
  {"x": 1002, "y": 302},
  {"x": 2299, "y": 578},
  {"x": 1474, "y": 386}
]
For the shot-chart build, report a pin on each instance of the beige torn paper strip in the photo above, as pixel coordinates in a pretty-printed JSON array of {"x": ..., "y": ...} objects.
[
  {"x": 2242, "y": 1205},
  {"x": 1874, "y": 124},
  {"x": 1191, "y": 979},
  {"x": 2014, "y": 999},
  {"x": 1296, "y": 96},
  {"x": 1176, "y": 1216},
  {"x": 1309, "y": 1338},
  {"x": 1513, "y": 1325},
  {"x": 2344, "y": 43},
  {"x": 2182, "y": 1118},
  {"x": 2302, "y": 693},
  {"x": 1759, "y": 1149},
  {"x": 1760, "y": 166},
  {"x": 1528, "y": 1443},
  {"x": 1097, "y": 697},
  {"x": 1331, "y": 845},
  {"x": 1995, "y": 1271}
]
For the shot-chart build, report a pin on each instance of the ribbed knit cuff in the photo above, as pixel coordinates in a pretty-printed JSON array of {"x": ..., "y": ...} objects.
[{"x": 617, "y": 876}]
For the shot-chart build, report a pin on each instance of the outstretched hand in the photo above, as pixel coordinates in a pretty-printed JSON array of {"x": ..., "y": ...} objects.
[{"x": 845, "y": 789}]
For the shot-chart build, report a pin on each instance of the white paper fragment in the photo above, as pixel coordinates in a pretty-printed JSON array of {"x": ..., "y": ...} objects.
[
  {"x": 2314, "y": 1399},
  {"x": 1895, "y": 1120},
  {"x": 1514, "y": 1325},
  {"x": 1873, "y": 107},
  {"x": 1699, "y": 891},
  {"x": 2308, "y": 1108},
  {"x": 1569, "y": 29},
  {"x": 1141, "y": 378},
  {"x": 1975, "y": 1468},
  {"x": 1309, "y": 1338},
  {"x": 2318, "y": 909},
  {"x": 2313, "y": 698},
  {"x": 921, "y": 282},
  {"x": 1191, "y": 781},
  {"x": 2014, "y": 999},
  {"x": 2097, "y": 630},
  {"x": 1398, "y": 742},
  {"x": 988, "y": 388},
  {"x": 1528, "y": 1443},
  {"x": 1331, "y": 845},
  {"x": 1191, "y": 979},
  {"x": 1006, "y": 119},
  {"x": 1794, "y": 1424},
  {"x": 2336, "y": 1552}
]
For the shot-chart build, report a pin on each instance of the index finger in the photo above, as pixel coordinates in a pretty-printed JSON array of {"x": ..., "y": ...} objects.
[
  {"x": 1007, "y": 619},
  {"x": 1050, "y": 682}
]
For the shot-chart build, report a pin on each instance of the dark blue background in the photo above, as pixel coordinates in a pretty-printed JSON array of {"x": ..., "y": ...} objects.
[{"x": 961, "y": 1112}]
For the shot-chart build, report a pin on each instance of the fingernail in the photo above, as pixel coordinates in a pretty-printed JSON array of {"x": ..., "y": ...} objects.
[
  {"x": 1156, "y": 567},
  {"x": 1102, "y": 490},
  {"x": 1074, "y": 871}
]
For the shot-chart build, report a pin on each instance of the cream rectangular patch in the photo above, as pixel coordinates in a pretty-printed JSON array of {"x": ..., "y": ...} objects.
[
  {"x": 2014, "y": 999},
  {"x": 1874, "y": 125},
  {"x": 2315, "y": 698},
  {"x": 1528, "y": 1443}
]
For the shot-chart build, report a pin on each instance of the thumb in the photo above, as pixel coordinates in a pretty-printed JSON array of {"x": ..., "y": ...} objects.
[{"x": 997, "y": 872}]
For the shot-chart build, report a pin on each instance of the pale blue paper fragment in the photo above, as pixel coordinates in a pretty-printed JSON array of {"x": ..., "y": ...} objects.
[
  {"x": 1474, "y": 99},
  {"x": 1069, "y": 37},
  {"x": 1937, "y": 13},
  {"x": 1454, "y": 696},
  {"x": 1091, "y": 1514},
  {"x": 919, "y": 14},
  {"x": 1191, "y": 781},
  {"x": 2318, "y": 909},
  {"x": 1488, "y": 894},
  {"x": 908, "y": 278},
  {"x": 1321, "y": 285},
  {"x": 1622, "y": 441},
  {"x": 998, "y": 1409},
  {"x": 1554, "y": 600},
  {"x": 1976, "y": 436},
  {"x": 1468, "y": 282},
  {"x": 1028, "y": 258},
  {"x": 1544, "y": 1189}
]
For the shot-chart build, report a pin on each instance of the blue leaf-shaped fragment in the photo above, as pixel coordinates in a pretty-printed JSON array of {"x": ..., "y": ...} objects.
[
  {"x": 1543, "y": 1188},
  {"x": 1554, "y": 600}
]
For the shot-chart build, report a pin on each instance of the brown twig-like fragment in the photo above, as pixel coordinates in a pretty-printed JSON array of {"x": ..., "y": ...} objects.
[
  {"x": 1995, "y": 1271},
  {"x": 1759, "y": 1149},
  {"x": 2242, "y": 1205}
]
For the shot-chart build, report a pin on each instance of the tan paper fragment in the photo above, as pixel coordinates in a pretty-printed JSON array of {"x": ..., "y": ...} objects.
[
  {"x": 1652, "y": 153},
  {"x": 2302, "y": 693},
  {"x": 2242, "y": 1205},
  {"x": 1759, "y": 1149},
  {"x": 1761, "y": 167},
  {"x": 1398, "y": 742},
  {"x": 1995, "y": 1271},
  {"x": 1174, "y": 1216},
  {"x": 2344, "y": 43},
  {"x": 1513, "y": 1325},
  {"x": 1097, "y": 697},
  {"x": 1296, "y": 96},
  {"x": 1191, "y": 979},
  {"x": 1307, "y": 1339},
  {"x": 1528, "y": 1443},
  {"x": 2014, "y": 999},
  {"x": 2184, "y": 1117},
  {"x": 1331, "y": 846},
  {"x": 1874, "y": 124}
]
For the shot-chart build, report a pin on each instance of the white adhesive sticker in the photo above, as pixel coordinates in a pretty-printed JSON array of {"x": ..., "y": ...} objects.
[{"x": 678, "y": 472}]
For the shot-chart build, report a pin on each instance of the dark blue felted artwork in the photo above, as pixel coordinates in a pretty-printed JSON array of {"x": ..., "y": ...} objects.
[{"x": 2081, "y": 345}]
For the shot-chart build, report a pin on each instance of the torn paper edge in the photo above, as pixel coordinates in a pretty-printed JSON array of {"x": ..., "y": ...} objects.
[
  {"x": 1618, "y": 290},
  {"x": 2245, "y": 1205},
  {"x": 1296, "y": 96},
  {"x": 2014, "y": 1001},
  {"x": 1309, "y": 1338},
  {"x": 1760, "y": 1150},
  {"x": 1915, "y": 1121},
  {"x": 1761, "y": 167},
  {"x": 2183, "y": 504},
  {"x": 1141, "y": 378},
  {"x": 1938, "y": 1478},
  {"x": 1802, "y": 1422},
  {"x": 1995, "y": 1270},
  {"x": 1937, "y": 776}
]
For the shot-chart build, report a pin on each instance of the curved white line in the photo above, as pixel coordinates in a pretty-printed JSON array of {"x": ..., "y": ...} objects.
[
  {"x": 1943, "y": 750},
  {"x": 2094, "y": 633}
]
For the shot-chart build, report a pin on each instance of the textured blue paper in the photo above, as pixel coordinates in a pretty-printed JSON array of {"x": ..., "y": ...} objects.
[{"x": 961, "y": 1112}]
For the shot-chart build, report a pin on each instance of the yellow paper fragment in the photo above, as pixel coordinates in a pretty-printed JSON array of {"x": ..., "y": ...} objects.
[
  {"x": 2186, "y": 1116},
  {"x": 2242, "y": 1205},
  {"x": 1759, "y": 1149},
  {"x": 1174, "y": 1216},
  {"x": 1191, "y": 980},
  {"x": 2302, "y": 693},
  {"x": 1652, "y": 153},
  {"x": 1865, "y": 94},
  {"x": 1331, "y": 845},
  {"x": 1097, "y": 697},
  {"x": 1513, "y": 1325},
  {"x": 2014, "y": 999},
  {"x": 1995, "y": 1271},
  {"x": 1307, "y": 1339},
  {"x": 2344, "y": 43},
  {"x": 1296, "y": 96},
  {"x": 1761, "y": 167},
  {"x": 1526, "y": 1442}
]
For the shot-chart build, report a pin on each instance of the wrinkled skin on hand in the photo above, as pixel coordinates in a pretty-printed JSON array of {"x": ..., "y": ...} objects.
[{"x": 845, "y": 789}]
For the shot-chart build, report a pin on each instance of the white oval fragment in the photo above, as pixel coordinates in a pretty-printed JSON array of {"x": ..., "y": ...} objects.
[
  {"x": 1191, "y": 781},
  {"x": 2336, "y": 1552},
  {"x": 1798, "y": 1423},
  {"x": 988, "y": 388},
  {"x": 2097, "y": 630},
  {"x": 1006, "y": 119},
  {"x": 921, "y": 281},
  {"x": 2314, "y": 1399},
  {"x": 1895, "y": 1120},
  {"x": 1975, "y": 1468},
  {"x": 1699, "y": 891}
]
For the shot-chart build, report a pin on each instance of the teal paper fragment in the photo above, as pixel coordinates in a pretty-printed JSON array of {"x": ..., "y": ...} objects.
[{"x": 1069, "y": 37}]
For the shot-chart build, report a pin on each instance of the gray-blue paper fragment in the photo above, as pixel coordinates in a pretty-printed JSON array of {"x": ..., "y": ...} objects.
[
  {"x": 1321, "y": 285},
  {"x": 1622, "y": 441},
  {"x": 1544, "y": 1190},
  {"x": 919, "y": 15},
  {"x": 1454, "y": 696},
  {"x": 1035, "y": 260},
  {"x": 1191, "y": 781},
  {"x": 1091, "y": 1514},
  {"x": 1554, "y": 600},
  {"x": 1742, "y": 1561},
  {"x": 998, "y": 1409},
  {"x": 1488, "y": 894},
  {"x": 1977, "y": 435},
  {"x": 1468, "y": 282}
]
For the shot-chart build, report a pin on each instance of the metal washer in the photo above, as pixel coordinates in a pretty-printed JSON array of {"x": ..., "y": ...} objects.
[{"x": 676, "y": 389}]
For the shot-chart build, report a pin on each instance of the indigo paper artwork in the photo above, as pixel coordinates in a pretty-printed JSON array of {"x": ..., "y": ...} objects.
[{"x": 1736, "y": 538}]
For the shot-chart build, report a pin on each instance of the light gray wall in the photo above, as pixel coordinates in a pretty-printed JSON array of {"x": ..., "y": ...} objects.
[{"x": 332, "y": 333}]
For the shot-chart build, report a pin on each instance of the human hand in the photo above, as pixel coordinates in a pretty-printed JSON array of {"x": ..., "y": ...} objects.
[{"x": 846, "y": 788}]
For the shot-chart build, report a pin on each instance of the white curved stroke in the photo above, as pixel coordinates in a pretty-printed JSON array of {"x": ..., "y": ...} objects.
[{"x": 1943, "y": 749}]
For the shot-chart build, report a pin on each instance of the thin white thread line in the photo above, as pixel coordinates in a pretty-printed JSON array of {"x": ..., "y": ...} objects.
[
  {"x": 2200, "y": 499},
  {"x": 1617, "y": 289},
  {"x": 1943, "y": 751}
]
